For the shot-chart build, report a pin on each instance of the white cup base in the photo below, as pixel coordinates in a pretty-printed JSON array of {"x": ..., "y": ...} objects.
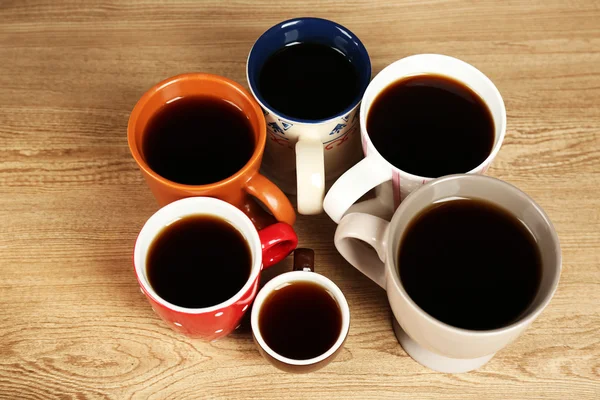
[{"x": 435, "y": 361}]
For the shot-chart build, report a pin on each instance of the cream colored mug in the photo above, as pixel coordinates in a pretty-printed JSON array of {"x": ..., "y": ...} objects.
[{"x": 429, "y": 341}]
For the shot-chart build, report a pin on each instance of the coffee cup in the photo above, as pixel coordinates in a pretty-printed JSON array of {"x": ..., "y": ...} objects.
[
  {"x": 372, "y": 245},
  {"x": 305, "y": 152},
  {"x": 238, "y": 189},
  {"x": 374, "y": 171},
  {"x": 265, "y": 248},
  {"x": 301, "y": 319}
]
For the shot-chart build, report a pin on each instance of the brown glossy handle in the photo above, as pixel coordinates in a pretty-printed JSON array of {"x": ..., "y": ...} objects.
[
  {"x": 258, "y": 215},
  {"x": 272, "y": 197},
  {"x": 304, "y": 260}
]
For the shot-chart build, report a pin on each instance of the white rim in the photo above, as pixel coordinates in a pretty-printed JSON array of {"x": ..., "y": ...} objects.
[
  {"x": 301, "y": 276},
  {"x": 195, "y": 206},
  {"x": 432, "y": 57}
]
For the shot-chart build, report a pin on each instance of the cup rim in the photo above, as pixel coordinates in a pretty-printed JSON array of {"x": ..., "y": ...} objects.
[
  {"x": 196, "y": 206},
  {"x": 521, "y": 321},
  {"x": 303, "y": 121},
  {"x": 301, "y": 276},
  {"x": 430, "y": 57},
  {"x": 195, "y": 76}
]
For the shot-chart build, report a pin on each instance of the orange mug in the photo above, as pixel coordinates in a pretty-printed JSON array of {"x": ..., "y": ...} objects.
[{"x": 239, "y": 188}]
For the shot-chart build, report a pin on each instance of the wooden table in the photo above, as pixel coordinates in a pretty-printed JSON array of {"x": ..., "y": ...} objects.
[{"x": 73, "y": 324}]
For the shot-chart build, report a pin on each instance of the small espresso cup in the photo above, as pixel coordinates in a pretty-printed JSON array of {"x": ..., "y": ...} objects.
[
  {"x": 430, "y": 342},
  {"x": 238, "y": 189},
  {"x": 393, "y": 184},
  {"x": 267, "y": 246},
  {"x": 303, "y": 272},
  {"x": 302, "y": 155}
]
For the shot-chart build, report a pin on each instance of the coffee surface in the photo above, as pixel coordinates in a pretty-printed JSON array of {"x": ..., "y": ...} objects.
[
  {"x": 198, "y": 140},
  {"x": 198, "y": 261},
  {"x": 431, "y": 126},
  {"x": 300, "y": 321},
  {"x": 470, "y": 264},
  {"x": 308, "y": 81}
]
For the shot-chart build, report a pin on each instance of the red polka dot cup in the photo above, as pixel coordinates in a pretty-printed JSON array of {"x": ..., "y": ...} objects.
[{"x": 268, "y": 246}]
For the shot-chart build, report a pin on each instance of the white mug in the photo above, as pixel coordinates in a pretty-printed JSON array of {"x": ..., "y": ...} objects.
[
  {"x": 303, "y": 272},
  {"x": 301, "y": 156},
  {"x": 375, "y": 170},
  {"x": 429, "y": 341}
]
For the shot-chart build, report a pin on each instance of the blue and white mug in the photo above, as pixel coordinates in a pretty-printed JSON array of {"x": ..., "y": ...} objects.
[{"x": 302, "y": 155}]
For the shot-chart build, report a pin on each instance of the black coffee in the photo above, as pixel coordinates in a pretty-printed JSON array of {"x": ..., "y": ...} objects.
[
  {"x": 470, "y": 264},
  {"x": 300, "y": 321},
  {"x": 430, "y": 126},
  {"x": 308, "y": 81},
  {"x": 198, "y": 261},
  {"x": 198, "y": 140}
]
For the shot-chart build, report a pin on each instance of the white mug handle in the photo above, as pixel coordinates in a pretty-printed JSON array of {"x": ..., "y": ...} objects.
[
  {"x": 370, "y": 230},
  {"x": 310, "y": 175},
  {"x": 375, "y": 206},
  {"x": 353, "y": 184}
]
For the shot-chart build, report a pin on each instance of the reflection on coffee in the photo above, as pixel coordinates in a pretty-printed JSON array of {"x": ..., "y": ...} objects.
[
  {"x": 431, "y": 126},
  {"x": 300, "y": 320},
  {"x": 470, "y": 264},
  {"x": 198, "y": 140},
  {"x": 198, "y": 261}
]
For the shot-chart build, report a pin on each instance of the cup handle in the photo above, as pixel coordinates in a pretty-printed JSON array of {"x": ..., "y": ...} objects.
[
  {"x": 272, "y": 197},
  {"x": 310, "y": 175},
  {"x": 277, "y": 241},
  {"x": 304, "y": 260},
  {"x": 353, "y": 184},
  {"x": 375, "y": 207},
  {"x": 259, "y": 216},
  {"x": 370, "y": 230}
]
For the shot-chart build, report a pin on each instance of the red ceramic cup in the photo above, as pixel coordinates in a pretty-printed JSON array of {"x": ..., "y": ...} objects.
[{"x": 268, "y": 246}]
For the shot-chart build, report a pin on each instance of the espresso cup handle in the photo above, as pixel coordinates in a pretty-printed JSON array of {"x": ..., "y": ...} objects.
[
  {"x": 310, "y": 175},
  {"x": 371, "y": 230},
  {"x": 277, "y": 241},
  {"x": 352, "y": 185},
  {"x": 272, "y": 197},
  {"x": 304, "y": 260}
]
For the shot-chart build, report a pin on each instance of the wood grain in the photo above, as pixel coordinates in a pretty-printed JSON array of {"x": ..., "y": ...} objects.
[{"x": 73, "y": 324}]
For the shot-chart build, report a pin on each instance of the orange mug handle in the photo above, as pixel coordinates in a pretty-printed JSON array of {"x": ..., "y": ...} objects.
[{"x": 272, "y": 197}]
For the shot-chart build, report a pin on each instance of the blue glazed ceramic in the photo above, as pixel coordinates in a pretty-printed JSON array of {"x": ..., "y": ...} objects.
[
  {"x": 314, "y": 30},
  {"x": 301, "y": 155}
]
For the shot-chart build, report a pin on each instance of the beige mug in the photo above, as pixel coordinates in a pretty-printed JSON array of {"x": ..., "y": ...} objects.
[{"x": 429, "y": 341}]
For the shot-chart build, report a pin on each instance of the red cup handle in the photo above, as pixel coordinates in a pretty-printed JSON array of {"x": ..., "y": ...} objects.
[{"x": 277, "y": 241}]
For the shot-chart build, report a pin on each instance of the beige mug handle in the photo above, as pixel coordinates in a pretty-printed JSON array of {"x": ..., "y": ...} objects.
[{"x": 370, "y": 230}]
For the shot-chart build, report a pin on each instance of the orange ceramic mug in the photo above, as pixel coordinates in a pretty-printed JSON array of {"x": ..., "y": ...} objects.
[{"x": 236, "y": 189}]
